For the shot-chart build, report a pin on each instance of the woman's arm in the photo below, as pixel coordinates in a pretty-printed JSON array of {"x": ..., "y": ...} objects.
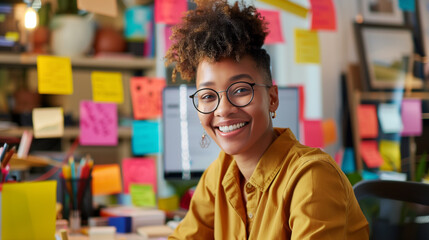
[{"x": 323, "y": 206}]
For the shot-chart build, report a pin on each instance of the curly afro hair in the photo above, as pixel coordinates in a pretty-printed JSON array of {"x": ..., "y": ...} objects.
[{"x": 216, "y": 30}]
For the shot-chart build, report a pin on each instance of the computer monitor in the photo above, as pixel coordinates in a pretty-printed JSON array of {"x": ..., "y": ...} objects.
[{"x": 183, "y": 157}]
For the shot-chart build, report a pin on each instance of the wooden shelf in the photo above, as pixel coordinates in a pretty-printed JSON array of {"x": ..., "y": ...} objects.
[
  {"x": 69, "y": 132},
  {"x": 114, "y": 63},
  {"x": 387, "y": 96}
]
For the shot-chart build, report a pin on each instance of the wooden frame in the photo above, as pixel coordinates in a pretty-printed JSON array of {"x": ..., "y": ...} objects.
[
  {"x": 387, "y": 56},
  {"x": 381, "y": 11}
]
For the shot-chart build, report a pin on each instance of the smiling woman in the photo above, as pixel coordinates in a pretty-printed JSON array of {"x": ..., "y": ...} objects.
[{"x": 264, "y": 184}]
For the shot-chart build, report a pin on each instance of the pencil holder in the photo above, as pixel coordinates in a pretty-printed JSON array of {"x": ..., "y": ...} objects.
[{"x": 77, "y": 196}]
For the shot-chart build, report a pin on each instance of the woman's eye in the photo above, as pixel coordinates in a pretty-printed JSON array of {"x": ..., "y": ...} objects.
[
  {"x": 241, "y": 90},
  {"x": 207, "y": 97}
]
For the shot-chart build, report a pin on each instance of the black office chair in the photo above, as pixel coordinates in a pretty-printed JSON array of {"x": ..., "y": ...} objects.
[{"x": 395, "y": 209}]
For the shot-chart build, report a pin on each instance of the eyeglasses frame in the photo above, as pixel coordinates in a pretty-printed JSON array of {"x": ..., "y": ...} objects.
[{"x": 227, "y": 97}]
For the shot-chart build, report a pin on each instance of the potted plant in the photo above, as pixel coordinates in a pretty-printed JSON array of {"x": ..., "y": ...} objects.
[
  {"x": 41, "y": 33},
  {"x": 72, "y": 32}
]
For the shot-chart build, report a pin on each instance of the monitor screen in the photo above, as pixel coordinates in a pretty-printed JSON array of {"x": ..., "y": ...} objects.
[{"x": 183, "y": 157}]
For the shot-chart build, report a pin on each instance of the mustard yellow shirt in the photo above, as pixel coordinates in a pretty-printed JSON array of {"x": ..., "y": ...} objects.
[{"x": 295, "y": 192}]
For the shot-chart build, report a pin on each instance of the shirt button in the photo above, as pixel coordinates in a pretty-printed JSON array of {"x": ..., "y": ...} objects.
[
  {"x": 250, "y": 215},
  {"x": 248, "y": 185}
]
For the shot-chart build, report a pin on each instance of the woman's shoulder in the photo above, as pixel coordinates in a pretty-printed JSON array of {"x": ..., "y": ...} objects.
[{"x": 217, "y": 169}]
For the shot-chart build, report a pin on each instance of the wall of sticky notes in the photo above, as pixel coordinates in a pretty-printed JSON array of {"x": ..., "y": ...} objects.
[{"x": 380, "y": 129}]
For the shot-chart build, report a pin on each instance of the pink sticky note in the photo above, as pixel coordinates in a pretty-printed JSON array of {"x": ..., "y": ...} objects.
[
  {"x": 170, "y": 11},
  {"x": 411, "y": 112},
  {"x": 139, "y": 170},
  {"x": 367, "y": 121},
  {"x": 146, "y": 94},
  {"x": 370, "y": 153},
  {"x": 275, "y": 34},
  {"x": 313, "y": 133},
  {"x": 339, "y": 157},
  {"x": 98, "y": 123},
  {"x": 323, "y": 15},
  {"x": 167, "y": 33}
]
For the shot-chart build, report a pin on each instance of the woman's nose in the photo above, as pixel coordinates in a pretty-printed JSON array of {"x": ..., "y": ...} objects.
[{"x": 225, "y": 107}]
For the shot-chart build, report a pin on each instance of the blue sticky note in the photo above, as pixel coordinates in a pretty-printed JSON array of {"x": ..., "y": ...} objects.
[
  {"x": 407, "y": 5},
  {"x": 122, "y": 224},
  {"x": 125, "y": 199},
  {"x": 145, "y": 138},
  {"x": 348, "y": 165},
  {"x": 367, "y": 175},
  {"x": 138, "y": 22}
]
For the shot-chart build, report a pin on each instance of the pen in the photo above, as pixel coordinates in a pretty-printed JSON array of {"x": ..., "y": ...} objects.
[
  {"x": 64, "y": 235},
  {"x": 8, "y": 157},
  {"x": 4, "y": 172},
  {"x": 3, "y": 153}
]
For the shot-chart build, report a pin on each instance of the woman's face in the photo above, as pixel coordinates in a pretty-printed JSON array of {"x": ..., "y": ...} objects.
[{"x": 249, "y": 127}]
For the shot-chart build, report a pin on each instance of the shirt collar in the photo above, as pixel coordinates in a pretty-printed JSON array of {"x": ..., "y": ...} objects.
[
  {"x": 271, "y": 161},
  {"x": 267, "y": 167}
]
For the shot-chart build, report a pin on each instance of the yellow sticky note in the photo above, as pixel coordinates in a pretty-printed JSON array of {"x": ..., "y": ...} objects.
[
  {"x": 289, "y": 6},
  {"x": 12, "y": 36},
  {"x": 169, "y": 204},
  {"x": 54, "y": 75},
  {"x": 142, "y": 195},
  {"x": 106, "y": 179},
  {"x": 48, "y": 122},
  {"x": 391, "y": 153},
  {"x": 29, "y": 210},
  {"x": 107, "y": 87},
  {"x": 307, "y": 48}
]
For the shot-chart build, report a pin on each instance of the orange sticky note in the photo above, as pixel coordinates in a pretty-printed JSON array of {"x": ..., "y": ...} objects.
[
  {"x": 329, "y": 131},
  {"x": 139, "y": 170},
  {"x": 313, "y": 133},
  {"x": 106, "y": 179},
  {"x": 273, "y": 18},
  {"x": 54, "y": 75},
  {"x": 367, "y": 121},
  {"x": 323, "y": 15},
  {"x": 146, "y": 94},
  {"x": 104, "y": 7},
  {"x": 370, "y": 154},
  {"x": 170, "y": 11}
]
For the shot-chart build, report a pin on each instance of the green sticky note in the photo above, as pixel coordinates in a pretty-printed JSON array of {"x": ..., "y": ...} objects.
[
  {"x": 28, "y": 210},
  {"x": 142, "y": 195}
]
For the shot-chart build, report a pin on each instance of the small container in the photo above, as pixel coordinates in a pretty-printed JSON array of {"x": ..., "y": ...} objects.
[{"x": 75, "y": 222}]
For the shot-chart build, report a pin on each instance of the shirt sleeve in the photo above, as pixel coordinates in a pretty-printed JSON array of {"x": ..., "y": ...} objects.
[
  {"x": 320, "y": 202},
  {"x": 199, "y": 220}
]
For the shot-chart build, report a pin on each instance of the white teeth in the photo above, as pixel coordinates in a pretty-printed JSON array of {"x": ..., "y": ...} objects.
[{"x": 231, "y": 127}]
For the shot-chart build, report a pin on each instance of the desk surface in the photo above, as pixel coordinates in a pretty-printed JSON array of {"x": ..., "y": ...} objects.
[{"x": 119, "y": 236}]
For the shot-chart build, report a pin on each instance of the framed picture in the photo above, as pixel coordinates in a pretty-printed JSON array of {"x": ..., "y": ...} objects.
[
  {"x": 386, "y": 54},
  {"x": 381, "y": 11},
  {"x": 423, "y": 20}
]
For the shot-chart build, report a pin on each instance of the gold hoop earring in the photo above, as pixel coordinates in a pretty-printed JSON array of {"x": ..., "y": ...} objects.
[
  {"x": 205, "y": 140},
  {"x": 273, "y": 115}
]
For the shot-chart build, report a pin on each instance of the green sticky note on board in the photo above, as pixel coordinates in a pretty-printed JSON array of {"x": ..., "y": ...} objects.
[
  {"x": 28, "y": 210},
  {"x": 142, "y": 195}
]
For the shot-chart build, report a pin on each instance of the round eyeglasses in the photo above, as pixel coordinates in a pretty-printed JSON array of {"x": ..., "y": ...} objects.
[{"x": 239, "y": 94}]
